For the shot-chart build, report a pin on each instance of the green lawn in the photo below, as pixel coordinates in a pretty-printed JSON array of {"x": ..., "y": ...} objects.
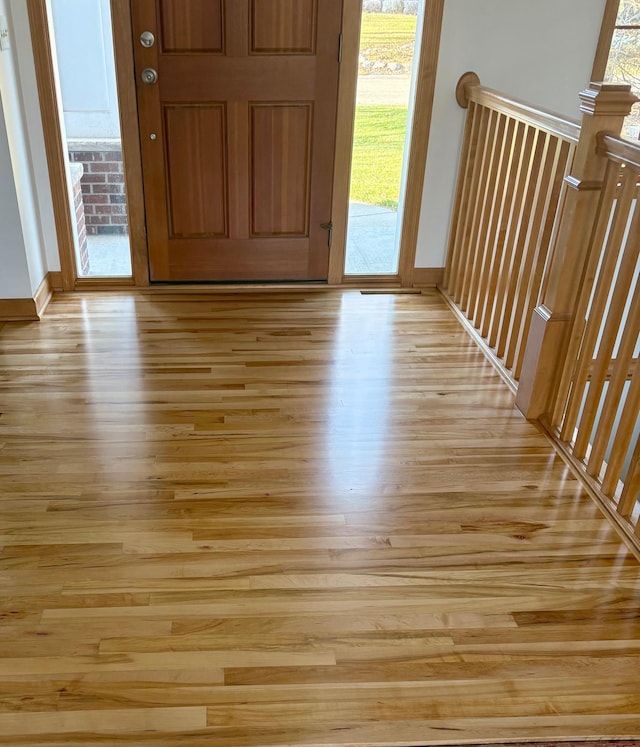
[
  {"x": 377, "y": 154},
  {"x": 380, "y": 130},
  {"x": 387, "y": 31}
]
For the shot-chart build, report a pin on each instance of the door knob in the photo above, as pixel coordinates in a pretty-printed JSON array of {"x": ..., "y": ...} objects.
[
  {"x": 149, "y": 76},
  {"x": 147, "y": 39}
]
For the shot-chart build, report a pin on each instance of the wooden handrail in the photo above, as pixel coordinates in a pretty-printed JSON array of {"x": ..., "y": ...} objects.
[
  {"x": 562, "y": 127},
  {"x": 619, "y": 149}
]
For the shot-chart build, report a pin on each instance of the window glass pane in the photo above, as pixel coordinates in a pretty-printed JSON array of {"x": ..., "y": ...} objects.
[
  {"x": 628, "y": 13},
  {"x": 624, "y": 58},
  {"x": 624, "y": 67},
  {"x": 631, "y": 128}
]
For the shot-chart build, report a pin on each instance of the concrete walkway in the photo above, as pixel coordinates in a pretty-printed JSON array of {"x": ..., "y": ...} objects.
[
  {"x": 109, "y": 256},
  {"x": 371, "y": 245},
  {"x": 371, "y": 240},
  {"x": 371, "y": 236},
  {"x": 383, "y": 90}
]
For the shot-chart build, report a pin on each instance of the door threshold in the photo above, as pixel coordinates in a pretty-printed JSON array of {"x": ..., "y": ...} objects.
[{"x": 231, "y": 288}]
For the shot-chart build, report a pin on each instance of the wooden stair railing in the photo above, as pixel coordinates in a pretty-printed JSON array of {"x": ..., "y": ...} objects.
[
  {"x": 595, "y": 401},
  {"x": 514, "y": 161},
  {"x": 543, "y": 268}
]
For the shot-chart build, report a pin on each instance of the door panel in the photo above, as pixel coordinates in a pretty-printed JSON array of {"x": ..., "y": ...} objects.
[
  {"x": 195, "y": 138},
  {"x": 238, "y": 177},
  {"x": 283, "y": 26},
  {"x": 280, "y": 183},
  {"x": 191, "y": 26}
]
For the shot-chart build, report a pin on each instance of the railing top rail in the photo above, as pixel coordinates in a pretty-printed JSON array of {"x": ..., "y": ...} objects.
[
  {"x": 563, "y": 127},
  {"x": 619, "y": 149},
  {"x": 555, "y": 124}
]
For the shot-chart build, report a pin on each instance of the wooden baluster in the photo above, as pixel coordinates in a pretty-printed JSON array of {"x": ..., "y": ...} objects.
[
  {"x": 629, "y": 497},
  {"x": 621, "y": 367},
  {"x": 472, "y": 228},
  {"x": 588, "y": 367},
  {"x": 491, "y": 186},
  {"x": 544, "y": 176},
  {"x": 453, "y": 263},
  {"x": 463, "y": 237},
  {"x": 510, "y": 314},
  {"x": 613, "y": 304},
  {"x": 543, "y": 242},
  {"x": 575, "y": 345},
  {"x": 463, "y": 187},
  {"x": 499, "y": 280},
  {"x": 500, "y": 322},
  {"x": 604, "y": 107},
  {"x": 559, "y": 211},
  {"x": 506, "y": 181},
  {"x": 624, "y": 434}
]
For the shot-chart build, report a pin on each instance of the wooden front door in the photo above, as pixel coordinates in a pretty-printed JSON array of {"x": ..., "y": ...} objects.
[{"x": 238, "y": 136}]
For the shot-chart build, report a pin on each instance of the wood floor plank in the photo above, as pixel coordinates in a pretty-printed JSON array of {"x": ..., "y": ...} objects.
[
  {"x": 155, "y": 720},
  {"x": 293, "y": 518}
]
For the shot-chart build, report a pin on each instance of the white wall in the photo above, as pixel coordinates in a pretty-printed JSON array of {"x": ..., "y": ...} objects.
[
  {"x": 19, "y": 175},
  {"x": 14, "y": 278},
  {"x": 541, "y": 51},
  {"x": 23, "y": 53},
  {"x": 86, "y": 65}
]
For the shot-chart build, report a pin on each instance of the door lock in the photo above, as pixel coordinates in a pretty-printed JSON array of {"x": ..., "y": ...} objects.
[
  {"x": 147, "y": 39},
  {"x": 149, "y": 76}
]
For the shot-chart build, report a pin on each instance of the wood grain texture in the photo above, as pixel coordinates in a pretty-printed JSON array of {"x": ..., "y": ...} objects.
[
  {"x": 196, "y": 145},
  {"x": 275, "y": 73},
  {"x": 293, "y": 518},
  {"x": 280, "y": 169},
  {"x": 55, "y": 281},
  {"x": 18, "y": 310},
  {"x": 427, "y": 277},
  {"x": 192, "y": 26},
  {"x": 551, "y": 122},
  {"x": 42, "y": 296},
  {"x": 283, "y": 26}
]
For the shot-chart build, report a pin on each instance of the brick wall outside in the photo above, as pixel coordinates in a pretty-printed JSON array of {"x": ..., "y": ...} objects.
[{"x": 103, "y": 188}]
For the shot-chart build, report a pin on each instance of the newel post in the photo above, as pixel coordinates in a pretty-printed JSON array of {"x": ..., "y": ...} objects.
[{"x": 604, "y": 107}]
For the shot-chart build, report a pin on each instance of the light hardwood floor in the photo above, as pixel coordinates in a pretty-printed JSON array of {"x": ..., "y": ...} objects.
[{"x": 293, "y": 518}]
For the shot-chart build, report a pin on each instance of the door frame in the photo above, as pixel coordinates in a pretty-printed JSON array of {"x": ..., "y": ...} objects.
[
  {"x": 49, "y": 95},
  {"x": 425, "y": 87},
  {"x": 51, "y": 111}
]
